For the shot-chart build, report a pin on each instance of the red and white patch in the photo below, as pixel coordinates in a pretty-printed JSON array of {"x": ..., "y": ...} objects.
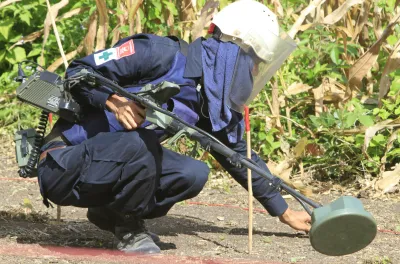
[{"x": 126, "y": 49}]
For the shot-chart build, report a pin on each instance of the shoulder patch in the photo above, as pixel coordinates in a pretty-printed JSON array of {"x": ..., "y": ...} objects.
[{"x": 124, "y": 50}]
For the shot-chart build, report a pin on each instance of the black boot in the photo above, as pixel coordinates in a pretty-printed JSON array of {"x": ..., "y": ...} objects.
[
  {"x": 134, "y": 238},
  {"x": 105, "y": 219}
]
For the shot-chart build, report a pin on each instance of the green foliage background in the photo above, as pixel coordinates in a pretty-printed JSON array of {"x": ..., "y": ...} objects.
[{"x": 331, "y": 143}]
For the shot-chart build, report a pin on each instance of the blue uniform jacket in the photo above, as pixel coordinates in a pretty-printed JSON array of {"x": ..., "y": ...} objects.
[{"x": 143, "y": 58}]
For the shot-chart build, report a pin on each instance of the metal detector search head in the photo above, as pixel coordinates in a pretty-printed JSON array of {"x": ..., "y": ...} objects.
[{"x": 342, "y": 227}]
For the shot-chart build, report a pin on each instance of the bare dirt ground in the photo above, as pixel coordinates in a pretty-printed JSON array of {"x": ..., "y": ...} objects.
[{"x": 212, "y": 228}]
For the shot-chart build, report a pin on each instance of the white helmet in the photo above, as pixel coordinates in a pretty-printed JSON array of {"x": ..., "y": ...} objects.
[{"x": 255, "y": 29}]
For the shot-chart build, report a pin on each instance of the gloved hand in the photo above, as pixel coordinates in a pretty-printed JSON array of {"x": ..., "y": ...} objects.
[
  {"x": 127, "y": 112},
  {"x": 300, "y": 221}
]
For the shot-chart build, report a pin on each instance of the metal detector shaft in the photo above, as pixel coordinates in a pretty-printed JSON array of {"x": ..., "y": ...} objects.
[
  {"x": 174, "y": 124},
  {"x": 227, "y": 152}
]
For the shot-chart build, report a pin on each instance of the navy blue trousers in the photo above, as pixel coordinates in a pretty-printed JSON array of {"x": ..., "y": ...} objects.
[
  {"x": 181, "y": 178},
  {"x": 120, "y": 173}
]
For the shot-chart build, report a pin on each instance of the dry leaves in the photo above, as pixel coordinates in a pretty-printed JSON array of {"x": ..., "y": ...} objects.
[
  {"x": 278, "y": 9},
  {"x": 392, "y": 64},
  {"x": 388, "y": 181},
  {"x": 284, "y": 169},
  {"x": 367, "y": 60},
  {"x": 389, "y": 146},
  {"x": 300, "y": 147},
  {"x": 296, "y": 88},
  {"x": 296, "y": 26},
  {"x": 329, "y": 91},
  {"x": 361, "y": 20},
  {"x": 336, "y": 15},
  {"x": 371, "y": 131}
]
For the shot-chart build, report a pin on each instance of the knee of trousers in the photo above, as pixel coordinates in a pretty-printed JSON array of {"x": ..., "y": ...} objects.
[
  {"x": 148, "y": 138},
  {"x": 101, "y": 218},
  {"x": 194, "y": 176}
]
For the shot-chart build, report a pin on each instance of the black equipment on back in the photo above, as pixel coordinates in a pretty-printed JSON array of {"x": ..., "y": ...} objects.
[{"x": 47, "y": 91}]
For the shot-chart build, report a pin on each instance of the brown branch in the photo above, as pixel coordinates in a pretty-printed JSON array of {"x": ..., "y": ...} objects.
[
  {"x": 275, "y": 105},
  {"x": 102, "y": 31},
  {"x": 300, "y": 125},
  {"x": 69, "y": 56},
  {"x": 204, "y": 20},
  {"x": 72, "y": 13},
  {"x": 91, "y": 34},
  {"x": 169, "y": 18},
  {"x": 132, "y": 10},
  {"x": 30, "y": 38},
  {"x": 186, "y": 13},
  {"x": 33, "y": 36},
  {"x": 53, "y": 12},
  {"x": 122, "y": 20},
  {"x": 139, "y": 24}
]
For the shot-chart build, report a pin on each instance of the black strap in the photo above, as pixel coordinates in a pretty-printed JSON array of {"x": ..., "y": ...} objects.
[
  {"x": 24, "y": 144},
  {"x": 184, "y": 46}
]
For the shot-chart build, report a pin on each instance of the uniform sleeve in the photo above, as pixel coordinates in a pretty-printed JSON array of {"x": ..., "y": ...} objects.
[
  {"x": 132, "y": 61},
  {"x": 263, "y": 190}
]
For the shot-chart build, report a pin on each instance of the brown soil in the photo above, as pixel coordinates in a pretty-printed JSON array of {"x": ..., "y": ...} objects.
[{"x": 190, "y": 233}]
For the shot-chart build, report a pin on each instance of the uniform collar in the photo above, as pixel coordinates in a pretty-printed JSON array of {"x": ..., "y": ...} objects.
[{"x": 194, "y": 65}]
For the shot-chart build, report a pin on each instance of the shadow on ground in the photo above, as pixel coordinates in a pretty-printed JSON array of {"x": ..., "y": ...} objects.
[{"x": 40, "y": 229}]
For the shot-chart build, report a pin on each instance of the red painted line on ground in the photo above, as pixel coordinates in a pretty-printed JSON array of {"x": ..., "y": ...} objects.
[
  {"x": 112, "y": 256},
  {"x": 18, "y": 179}
]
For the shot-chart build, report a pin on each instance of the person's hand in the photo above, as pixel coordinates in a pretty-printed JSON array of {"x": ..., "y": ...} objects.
[
  {"x": 300, "y": 221},
  {"x": 127, "y": 112}
]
